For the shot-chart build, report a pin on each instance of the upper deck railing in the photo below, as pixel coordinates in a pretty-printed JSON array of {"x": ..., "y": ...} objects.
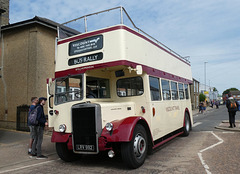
[{"x": 123, "y": 12}]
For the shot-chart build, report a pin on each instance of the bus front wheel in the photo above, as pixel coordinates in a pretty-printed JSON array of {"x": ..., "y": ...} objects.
[
  {"x": 134, "y": 152},
  {"x": 64, "y": 153},
  {"x": 187, "y": 126}
]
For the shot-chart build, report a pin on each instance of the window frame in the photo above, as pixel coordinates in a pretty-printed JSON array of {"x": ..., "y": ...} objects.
[
  {"x": 175, "y": 90},
  {"x": 182, "y": 91},
  {"x": 159, "y": 89},
  {"x": 187, "y": 96},
  {"x": 168, "y": 90},
  {"x": 126, "y": 89}
]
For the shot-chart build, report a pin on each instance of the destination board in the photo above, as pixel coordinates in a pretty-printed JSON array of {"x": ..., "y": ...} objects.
[
  {"x": 85, "y": 59},
  {"x": 86, "y": 45}
]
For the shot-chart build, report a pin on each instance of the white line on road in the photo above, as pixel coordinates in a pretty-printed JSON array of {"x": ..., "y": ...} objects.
[
  {"x": 196, "y": 124},
  {"x": 228, "y": 132},
  {"x": 24, "y": 167},
  {"x": 212, "y": 146}
]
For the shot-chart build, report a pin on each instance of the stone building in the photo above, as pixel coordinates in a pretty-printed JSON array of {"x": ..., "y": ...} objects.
[
  {"x": 4, "y": 5},
  {"x": 27, "y": 58},
  {"x": 194, "y": 90}
]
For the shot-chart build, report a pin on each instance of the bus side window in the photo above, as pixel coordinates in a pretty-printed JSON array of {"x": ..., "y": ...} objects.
[
  {"x": 166, "y": 90},
  {"x": 174, "y": 90},
  {"x": 186, "y": 91},
  {"x": 154, "y": 88},
  {"x": 130, "y": 87},
  {"x": 181, "y": 92}
]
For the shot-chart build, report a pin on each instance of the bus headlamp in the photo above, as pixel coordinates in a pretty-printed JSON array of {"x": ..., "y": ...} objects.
[
  {"x": 109, "y": 126},
  {"x": 62, "y": 128}
]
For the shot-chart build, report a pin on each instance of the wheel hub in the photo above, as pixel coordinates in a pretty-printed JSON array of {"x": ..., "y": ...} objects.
[{"x": 139, "y": 145}]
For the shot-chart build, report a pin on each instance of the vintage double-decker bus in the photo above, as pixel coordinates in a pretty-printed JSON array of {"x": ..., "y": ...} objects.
[{"x": 117, "y": 90}]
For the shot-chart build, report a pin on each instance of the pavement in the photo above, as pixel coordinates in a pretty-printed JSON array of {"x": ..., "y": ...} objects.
[{"x": 14, "y": 148}]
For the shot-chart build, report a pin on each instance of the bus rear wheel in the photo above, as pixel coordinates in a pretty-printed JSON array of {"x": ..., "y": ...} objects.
[
  {"x": 187, "y": 125},
  {"x": 134, "y": 152},
  {"x": 64, "y": 153}
]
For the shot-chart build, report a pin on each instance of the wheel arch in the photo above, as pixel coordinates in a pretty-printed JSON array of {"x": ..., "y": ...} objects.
[
  {"x": 149, "y": 135},
  {"x": 187, "y": 112},
  {"x": 123, "y": 129}
]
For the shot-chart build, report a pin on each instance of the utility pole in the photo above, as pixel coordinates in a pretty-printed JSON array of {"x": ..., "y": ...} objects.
[{"x": 205, "y": 74}]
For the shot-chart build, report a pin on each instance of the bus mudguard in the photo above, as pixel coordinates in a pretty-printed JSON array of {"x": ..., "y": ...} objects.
[
  {"x": 123, "y": 129},
  {"x": 186, "y": 111},
  {"x": 59, "y": 137}
]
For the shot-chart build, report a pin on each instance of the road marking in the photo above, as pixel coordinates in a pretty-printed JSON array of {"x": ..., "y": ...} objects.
[
  {"x": 228, "y": 132},
  {"x": 196, "y": 124},
  {"x": 210, "y": 147},
  {"x": 24, "y": 167}
]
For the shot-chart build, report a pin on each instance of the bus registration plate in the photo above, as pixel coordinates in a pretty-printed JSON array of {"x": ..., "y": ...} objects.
[{"x": 82, "y": 147}]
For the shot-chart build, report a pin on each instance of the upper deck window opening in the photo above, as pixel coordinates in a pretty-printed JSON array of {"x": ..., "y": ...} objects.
[
  {"x": 174, "y": 90},
  {"x": 154, "y": 88},
  {"x": 181, "y": 91},
  {"x": 68, "y": 89},
  {"x": 97, "y": 87},
  {"x": 130, "y": 87},
  {"x": 166, "y": 90}
]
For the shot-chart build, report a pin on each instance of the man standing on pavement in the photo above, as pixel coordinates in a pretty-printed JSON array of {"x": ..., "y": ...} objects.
[
  {"x": 232, "y": 106},
  {"x": 37, "y": 143},
  {"x": 34, "y": 101}
]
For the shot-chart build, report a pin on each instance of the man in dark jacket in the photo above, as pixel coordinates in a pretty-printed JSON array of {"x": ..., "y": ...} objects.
[
  {"x": 231, "y": 109},
  {"x": 39, "y": 130}
]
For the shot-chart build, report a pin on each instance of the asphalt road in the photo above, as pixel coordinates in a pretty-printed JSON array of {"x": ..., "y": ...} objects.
[{"x": 205, "y": 150}]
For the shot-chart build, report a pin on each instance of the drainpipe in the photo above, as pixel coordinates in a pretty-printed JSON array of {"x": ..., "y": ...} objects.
[{"x": 1, "y": 68}]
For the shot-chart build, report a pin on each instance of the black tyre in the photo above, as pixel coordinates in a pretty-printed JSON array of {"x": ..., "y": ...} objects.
[
  {"x": 187, "y": 125},
  {"x": 134, "y": 152},
  {"x": 64, "y": 153}
]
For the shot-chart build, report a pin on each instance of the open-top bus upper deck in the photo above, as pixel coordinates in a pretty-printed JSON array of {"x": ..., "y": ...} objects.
[{"x": 119, "y": 45}]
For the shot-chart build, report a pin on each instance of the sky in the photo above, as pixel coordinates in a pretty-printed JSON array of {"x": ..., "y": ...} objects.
[{"x": 206, "y": 30}]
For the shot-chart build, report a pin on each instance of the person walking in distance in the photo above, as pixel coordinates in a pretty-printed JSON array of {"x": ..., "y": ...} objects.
[
  {"x": 34, "y": 101},
  {"x": 232, "y": 106},
  {"x": 37, "y": 143}
]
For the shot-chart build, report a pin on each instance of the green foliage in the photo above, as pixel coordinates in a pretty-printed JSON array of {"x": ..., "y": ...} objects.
[
  {"x": 202, "y": 97},
  {"x": 215, "y": 89},
  {"x": 230, "y": 89}
]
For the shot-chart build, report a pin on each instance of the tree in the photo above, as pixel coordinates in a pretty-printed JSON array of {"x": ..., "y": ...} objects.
[
  {"x": 202, "y": 97},
  {"x": 215, "y": 89},
  {"x": 230, "y": 89}
]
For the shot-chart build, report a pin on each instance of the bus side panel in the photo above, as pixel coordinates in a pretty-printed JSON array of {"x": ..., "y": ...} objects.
[{"x": 122, "y": 129}]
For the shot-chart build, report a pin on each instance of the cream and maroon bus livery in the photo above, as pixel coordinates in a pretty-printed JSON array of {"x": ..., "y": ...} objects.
[{"x": 119, "y": 91}]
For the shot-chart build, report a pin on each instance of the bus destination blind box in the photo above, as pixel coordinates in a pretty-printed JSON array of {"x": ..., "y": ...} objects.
[
  {"x": 86, "y": 45},
  {"x": 85, "y": 59}
]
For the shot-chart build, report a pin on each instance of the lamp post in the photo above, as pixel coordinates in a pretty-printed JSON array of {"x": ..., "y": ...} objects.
[{"x": 205, "y": 74}]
